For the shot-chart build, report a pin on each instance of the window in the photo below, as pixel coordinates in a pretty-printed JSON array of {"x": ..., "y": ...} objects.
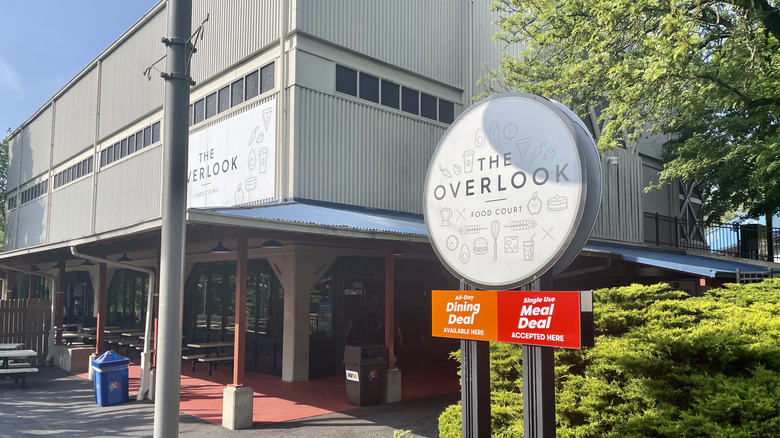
[
  {"x": 346, "y": 80},
  {"x": 156, "y": 132},
  {"x": 190, "y": 116},
  {"x": 89, "y": 165},
  {"x": 428, "y": 106},
  {"x": 139, "y": 139},
  {"x": 252, "y": 89},
  {"x": 237, "y": 92},
  {"x": 223, "y": 98},
  {"x": 117, "y": 151},
  {"x": 211, "y": 105},
  {"x": 446, "y": 111},
  {"x": 200, "y": 113},
  {"x": 410, "y": 100},
  {"x": 124, "y": 148},
  {"x": 369, "y": 87},
  {"x": 267, "y": 78},
  {"x": 147, "y": 136},
  {"x": 391, "y": 94}
]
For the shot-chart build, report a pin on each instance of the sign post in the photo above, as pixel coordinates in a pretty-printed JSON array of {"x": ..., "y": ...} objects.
[{"x": 512, "y": 192}]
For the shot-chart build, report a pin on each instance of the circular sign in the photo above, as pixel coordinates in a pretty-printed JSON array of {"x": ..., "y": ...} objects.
[{"x": 512, "y": 189}]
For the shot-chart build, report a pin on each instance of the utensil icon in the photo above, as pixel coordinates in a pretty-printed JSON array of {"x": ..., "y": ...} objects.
[{"x": 495, "y": 228}]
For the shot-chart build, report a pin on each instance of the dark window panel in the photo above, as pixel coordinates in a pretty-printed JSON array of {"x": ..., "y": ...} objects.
[
  {"x": 369, "y": 87},
  {"x": 223, "y": 98},
  {"x": 410, "y": 100},
  {"x": 200, "y": 113},
  {"x": 139, "y": 139},
  {"x": 252, "y": 85},
  {"x": 156, "y": 132},
  {"x": 237, "y": 92},
  {"x": 428, "y": 106},
  {"x": 102, "y": 158},
  {"x": 391, "y": 94},
  {"x": 110, "y": 155},
  {"x": 124, "y": 148},
  {"x": 147, "y": 136},
  {"x": 346, "y": 80},
  {"x": 267, "y": 78},
  {"x": 79, "y": 170},
  {"x": 446, "y": 111},
  {"x": 89, "y": 164},
  {"x": 117, "y": 151},
  {"x": 131, "y": 144},
  {"x": 211, "y": 105},
  {"x": 190, "y": 116}
]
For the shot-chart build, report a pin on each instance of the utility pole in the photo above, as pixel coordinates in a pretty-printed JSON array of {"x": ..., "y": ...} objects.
[{"x": 173, "y": 239}]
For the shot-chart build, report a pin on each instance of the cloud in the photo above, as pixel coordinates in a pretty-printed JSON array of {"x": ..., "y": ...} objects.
[{"x": 11, "y": 89}]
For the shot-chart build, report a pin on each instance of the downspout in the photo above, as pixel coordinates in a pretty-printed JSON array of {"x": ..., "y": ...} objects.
[
  {"x": 146, "y": 367},
  {"x": 52, "y": 334},
  {"x": 283, "y": 122}
]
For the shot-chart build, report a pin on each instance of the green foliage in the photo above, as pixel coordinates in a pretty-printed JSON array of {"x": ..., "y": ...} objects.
[
  {"x": 707, "y": 71},
  {"x": 3, "y": 186},
  {"x": 663, "y": 366}
]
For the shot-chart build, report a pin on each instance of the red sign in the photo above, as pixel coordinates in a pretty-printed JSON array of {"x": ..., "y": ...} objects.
[{"x": 534, "y": 318}]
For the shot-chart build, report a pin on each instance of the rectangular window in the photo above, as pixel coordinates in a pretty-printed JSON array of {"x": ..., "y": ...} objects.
[
  {"x": 147, "y": 136},
  {"x": 391, "y": 94},
  {"x": 124, "y": 148},
  {"x": 79, "y": 170},
  {"x": 131, "y": 144},
  {"x": 89, "y": 165},
  {"x": 446, "y": 111},
  {"x": 428, "y": 106},
  {"x": 156, "y": 132},
  {"x": 139, "y": 139},
  {"x": 211, "y": 105},
  {"x": 410, "y": 100},
  {"x": 267, "y": 78},
  {"x": 346, "y": 80},
  {"x": 252, "y": 89},
  {"x": 200, "y": 113},
  {"x": 237, "y": 92},
  {"x": 109, "y": 155},
  {"x": 223, "y": 98},
  {"x": 117, "y": 151},
  {"x": 369, "y": 87},
  {"x": 190, "y": 116},
  {"x": 102, "y": 158}
]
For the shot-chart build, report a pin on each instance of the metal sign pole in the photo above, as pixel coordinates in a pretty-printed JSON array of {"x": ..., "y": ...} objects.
[
  {"x": 475, "y": 385},
  {"x": 539, "y": 383}
]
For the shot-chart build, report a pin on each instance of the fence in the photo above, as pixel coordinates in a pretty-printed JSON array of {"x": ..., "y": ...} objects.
[
  {"x": 748, "y": 241},
  {"x": 27, "y": 322}
]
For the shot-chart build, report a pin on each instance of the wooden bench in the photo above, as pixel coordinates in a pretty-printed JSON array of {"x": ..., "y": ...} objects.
[
  {"x": 194, "y": 358},
  {"x": 213, "y": 361},
  {"x": 17, "y": 373}
]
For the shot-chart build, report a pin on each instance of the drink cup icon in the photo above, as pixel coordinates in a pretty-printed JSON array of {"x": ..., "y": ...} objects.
[
  {"x": 528, "y": 250},
  {"x": 446, "y": 214},
  {"x": 262, "y": 156},
  {"x": 468, "y": 161}
]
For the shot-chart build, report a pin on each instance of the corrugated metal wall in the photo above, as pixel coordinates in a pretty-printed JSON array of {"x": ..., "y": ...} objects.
[
  {"x": 71, "y": 211},
  {"x": 125, "y": 94},
  {"x": 33, "y": 216},
  {"x": 422, "y": 37},
  {"x": 74, "y": 123},
  {"x": 10, "y": 229},
  {"x": 14, "y": 160},
  {"x": 358, "y": 154},
  {"x": 620, "y": 216},
  {"x": 487, "y": 53},
  {"x": 130, "y": 191},
  {"x": 235, "y": 30},
  {"x": 33, "y": 147}
]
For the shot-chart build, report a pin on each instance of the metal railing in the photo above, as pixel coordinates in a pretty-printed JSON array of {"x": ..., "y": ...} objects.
[{"x": 747, "y": 241}]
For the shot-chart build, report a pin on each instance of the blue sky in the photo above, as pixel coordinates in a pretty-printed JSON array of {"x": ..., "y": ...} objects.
[{"x": 45, "y": 43}]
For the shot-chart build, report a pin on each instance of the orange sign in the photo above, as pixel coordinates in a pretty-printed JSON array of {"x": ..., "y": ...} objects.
[
  {"x": 469, "y": 314},
  {"x": 535, "y": 318}
]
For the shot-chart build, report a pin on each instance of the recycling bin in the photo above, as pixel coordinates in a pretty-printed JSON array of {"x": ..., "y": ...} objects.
[
  {"x": 365, "y": 371},
  {"x": 110, "y": 371}
]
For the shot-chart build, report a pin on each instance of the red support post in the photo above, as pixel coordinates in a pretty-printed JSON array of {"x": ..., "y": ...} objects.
[{"x": 240, "y": 323}]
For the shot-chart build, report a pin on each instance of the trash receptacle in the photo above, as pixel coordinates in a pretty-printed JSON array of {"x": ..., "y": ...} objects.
[
  {"x": 365, "y": 369},
  {"x": 110, "y": 372}
]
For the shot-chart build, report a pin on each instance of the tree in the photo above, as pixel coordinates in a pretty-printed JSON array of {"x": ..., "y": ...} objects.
[
  {"x": 3, "y": 186},
  {"x": 707, "y": 71}
]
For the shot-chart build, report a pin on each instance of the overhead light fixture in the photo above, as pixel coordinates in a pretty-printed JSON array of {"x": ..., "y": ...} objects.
[
  {"x": 87, "y": 263},
  {"x": 272, "y": 244},
  {"x": 220, "y": 249},
  {"x": 124, "y": 258}
]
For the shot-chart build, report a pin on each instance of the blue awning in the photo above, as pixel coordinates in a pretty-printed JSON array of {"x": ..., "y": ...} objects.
[{"x": 677, "y": 261}]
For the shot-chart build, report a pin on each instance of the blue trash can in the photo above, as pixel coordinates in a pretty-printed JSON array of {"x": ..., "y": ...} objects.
[{"x": 110, "y": 371}]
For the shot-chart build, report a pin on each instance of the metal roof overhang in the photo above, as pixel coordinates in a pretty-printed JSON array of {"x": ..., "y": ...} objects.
[{"x": 701, "y": 266}]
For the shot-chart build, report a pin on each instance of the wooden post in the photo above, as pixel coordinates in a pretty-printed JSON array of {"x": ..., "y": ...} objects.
[
  {"x": 102, "y": 307},
  {"x": 240, "y": 322},
  {"x": 59, "y": 302},
  {"x": 390, "y": 308}
]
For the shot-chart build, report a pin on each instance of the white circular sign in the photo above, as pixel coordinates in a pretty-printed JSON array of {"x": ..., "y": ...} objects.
[{"x": 506, "y": 190}]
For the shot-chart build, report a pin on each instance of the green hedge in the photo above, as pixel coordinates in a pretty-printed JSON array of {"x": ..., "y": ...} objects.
[{"x": 664, "y": 365}]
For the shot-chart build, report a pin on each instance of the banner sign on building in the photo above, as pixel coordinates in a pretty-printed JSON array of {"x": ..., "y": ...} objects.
[
  {"x": 552, "y": 319},
  {"x": 233, "y": 162}
]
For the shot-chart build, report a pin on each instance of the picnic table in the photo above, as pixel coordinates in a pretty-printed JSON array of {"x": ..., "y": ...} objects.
[
  {"x": 9, "y": 370},
  {"x": 204, "y": 351},
  {"x": 11, "y": 346}
]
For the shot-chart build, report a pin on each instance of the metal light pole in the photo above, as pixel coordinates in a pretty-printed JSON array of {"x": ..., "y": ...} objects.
[{"x": 173, "y": 240}]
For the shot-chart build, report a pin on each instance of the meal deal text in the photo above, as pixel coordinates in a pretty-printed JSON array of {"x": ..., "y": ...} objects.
[{"x": 534, "y": 318}]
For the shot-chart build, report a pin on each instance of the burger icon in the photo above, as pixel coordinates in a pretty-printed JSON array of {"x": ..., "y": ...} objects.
[{"x": 480, "y": 246}]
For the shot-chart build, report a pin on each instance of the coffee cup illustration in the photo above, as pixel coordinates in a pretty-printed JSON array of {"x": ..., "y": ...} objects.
[
  {"x": 262, "y": 156},
  {"x": 528, "y": 250},
  {"x": 468, "y": 161}
]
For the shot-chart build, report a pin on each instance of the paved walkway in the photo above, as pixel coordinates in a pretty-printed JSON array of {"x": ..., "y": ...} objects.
[{"x": 56, "y": 403}]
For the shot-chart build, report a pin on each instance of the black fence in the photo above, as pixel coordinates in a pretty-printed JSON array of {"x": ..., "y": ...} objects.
[{"x": 748, "y": 241}]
